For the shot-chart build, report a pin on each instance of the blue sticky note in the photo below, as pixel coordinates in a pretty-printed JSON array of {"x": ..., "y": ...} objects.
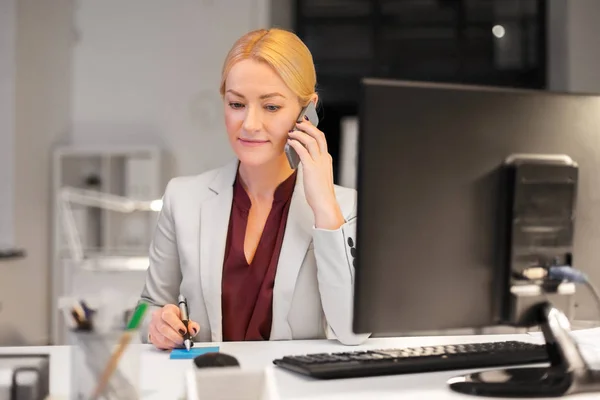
[{"x": 183, "y": 354}]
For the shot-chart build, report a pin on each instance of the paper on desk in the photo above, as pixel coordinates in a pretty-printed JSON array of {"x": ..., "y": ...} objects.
[
  {"x": 587, "y": 334},
  {"x": 183, "y": 354},
  {"x": 588, "y": 341}
]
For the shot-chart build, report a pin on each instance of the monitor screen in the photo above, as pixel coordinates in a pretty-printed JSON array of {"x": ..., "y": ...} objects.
[{"x": 429, "y": 251}]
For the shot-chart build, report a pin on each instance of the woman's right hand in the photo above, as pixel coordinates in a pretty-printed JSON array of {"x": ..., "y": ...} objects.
[{"x": 166, "y": 329}]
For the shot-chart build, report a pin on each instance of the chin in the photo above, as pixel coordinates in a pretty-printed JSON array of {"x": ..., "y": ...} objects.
[{"x": 254, "y": 159}]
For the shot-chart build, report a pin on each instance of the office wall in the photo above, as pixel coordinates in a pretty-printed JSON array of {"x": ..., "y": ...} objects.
[
  {"x": 282, "y": 14},
  {"x": 41, "y": 83},
  {"x": 574, "y": 53},
  {"x": 8, "y": 18},
  {"x": 584, "y": 51},
  {"x": 148, "y": 71}
]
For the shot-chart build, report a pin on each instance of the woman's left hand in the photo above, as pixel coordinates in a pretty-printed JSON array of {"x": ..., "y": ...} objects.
[{"x": 311, "y": 146}]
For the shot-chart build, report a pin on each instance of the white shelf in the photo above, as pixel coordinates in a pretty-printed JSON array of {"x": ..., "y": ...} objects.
[
  {"x": 115, "y": 264},
  {"x": 114, "y": 243}
]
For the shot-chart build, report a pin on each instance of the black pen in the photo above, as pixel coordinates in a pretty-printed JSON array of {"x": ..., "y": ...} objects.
[{"x": 183, "y": 308}]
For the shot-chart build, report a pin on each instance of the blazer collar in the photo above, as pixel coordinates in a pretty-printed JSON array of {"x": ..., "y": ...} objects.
[{"x": 225, "y": 177}]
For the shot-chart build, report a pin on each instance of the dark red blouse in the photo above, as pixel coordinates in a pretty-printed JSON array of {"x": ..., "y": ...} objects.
[{"x": 247, "y": 290}]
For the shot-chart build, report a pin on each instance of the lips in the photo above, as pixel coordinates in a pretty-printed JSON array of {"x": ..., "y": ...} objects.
[{"x": 253, "y": 141}]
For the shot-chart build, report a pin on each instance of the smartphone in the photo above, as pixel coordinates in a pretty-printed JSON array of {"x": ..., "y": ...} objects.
[{"x": 310, "y": 112}]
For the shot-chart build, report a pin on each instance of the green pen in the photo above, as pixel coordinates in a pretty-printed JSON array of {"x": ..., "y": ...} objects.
[{"x": 137, "y": 317}]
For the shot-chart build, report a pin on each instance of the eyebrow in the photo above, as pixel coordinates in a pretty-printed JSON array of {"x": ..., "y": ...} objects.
[{"x": 262, "y": 97}]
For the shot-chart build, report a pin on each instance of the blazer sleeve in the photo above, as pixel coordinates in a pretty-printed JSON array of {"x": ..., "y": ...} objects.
[
  {"x": 164, "y": 273},
  {"x": 334, "y": 252}
]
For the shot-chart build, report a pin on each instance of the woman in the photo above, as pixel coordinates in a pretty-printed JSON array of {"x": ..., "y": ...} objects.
[{"x": 261, "y": 251}]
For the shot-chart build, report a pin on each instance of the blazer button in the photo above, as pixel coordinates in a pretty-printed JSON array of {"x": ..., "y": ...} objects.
[
  {"x": 350, "y": 242},
  {"x": 353, "y": 251}
]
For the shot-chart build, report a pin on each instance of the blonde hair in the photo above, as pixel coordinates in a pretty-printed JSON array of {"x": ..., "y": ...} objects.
[{"x": 284, "y": 52}]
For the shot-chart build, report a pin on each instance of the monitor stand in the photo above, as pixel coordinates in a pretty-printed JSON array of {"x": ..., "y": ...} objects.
[{"x": 568, "y": 372}]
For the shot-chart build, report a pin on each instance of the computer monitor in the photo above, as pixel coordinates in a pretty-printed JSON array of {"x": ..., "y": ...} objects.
[
  {"x": 446, "y": 175},
  {"x": 429, "y": 236}
]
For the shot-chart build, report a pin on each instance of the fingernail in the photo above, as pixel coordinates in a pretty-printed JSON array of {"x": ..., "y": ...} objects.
[
  {"x": 193, "y": 331},
  {"x": 181, "y": 332},
  {"x": 291, "y": 130},
  {"x": 306, "y": 118}
]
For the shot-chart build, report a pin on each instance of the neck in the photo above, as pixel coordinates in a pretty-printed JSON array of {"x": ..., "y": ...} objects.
[{"x": 261, "y": 181}]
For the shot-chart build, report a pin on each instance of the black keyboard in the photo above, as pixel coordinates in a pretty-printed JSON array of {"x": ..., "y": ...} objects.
[{"x": 416, "y": 359}]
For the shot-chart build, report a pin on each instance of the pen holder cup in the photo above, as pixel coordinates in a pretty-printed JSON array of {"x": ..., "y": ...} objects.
[{"x": 105, "y": 366}]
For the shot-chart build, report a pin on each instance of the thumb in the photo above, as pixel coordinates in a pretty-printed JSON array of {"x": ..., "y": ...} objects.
[{"x": 193, "y": 328}]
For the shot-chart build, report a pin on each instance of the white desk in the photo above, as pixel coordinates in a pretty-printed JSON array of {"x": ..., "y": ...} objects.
[{"x": 163, "y": 378}]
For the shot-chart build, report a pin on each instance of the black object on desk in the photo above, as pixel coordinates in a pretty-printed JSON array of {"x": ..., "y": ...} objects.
[
  {"x": 357, "y": 364},
  {"x": 211, "y": 360}
]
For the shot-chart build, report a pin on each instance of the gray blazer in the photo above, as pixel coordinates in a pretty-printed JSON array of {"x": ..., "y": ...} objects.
[{"x": 312, "y": 296}]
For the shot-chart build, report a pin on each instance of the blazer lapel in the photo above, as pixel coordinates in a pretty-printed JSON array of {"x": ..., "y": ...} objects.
[
  {"x": 297, "y": 238},
  {"x": 214, "y": 223}
]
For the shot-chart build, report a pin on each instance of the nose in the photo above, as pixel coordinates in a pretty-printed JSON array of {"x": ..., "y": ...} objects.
[{"x": 252, "y": 121}]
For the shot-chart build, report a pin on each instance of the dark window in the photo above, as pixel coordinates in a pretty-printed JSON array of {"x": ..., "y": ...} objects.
[{"x": 489, "y": 42}]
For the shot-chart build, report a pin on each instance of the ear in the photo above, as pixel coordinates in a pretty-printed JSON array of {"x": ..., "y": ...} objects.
[{"x": 315, "y": 99}]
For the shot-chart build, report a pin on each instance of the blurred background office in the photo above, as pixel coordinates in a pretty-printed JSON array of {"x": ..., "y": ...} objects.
[{"x": 118, "y": 96}]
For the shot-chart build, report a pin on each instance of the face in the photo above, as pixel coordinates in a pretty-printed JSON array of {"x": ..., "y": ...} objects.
[{"x": 260, "y": 110}]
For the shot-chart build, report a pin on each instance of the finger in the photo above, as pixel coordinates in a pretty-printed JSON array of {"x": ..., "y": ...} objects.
[
  {"x": 172, "y": 308},
  {"x": 313, "y": 131},
  {"x": 173, "y": 321},
  {"x": 304, "y": 155},
  {"x": 169, "y": 333},
  {"x": 159, "y": 341},
  {"x": 156, "y": 338},
  {"x": 308, "y": 141},
  {"x": 194, "y": 328}
]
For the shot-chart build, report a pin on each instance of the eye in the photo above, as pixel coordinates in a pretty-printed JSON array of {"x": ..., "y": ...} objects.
[
  {"x": 272, "y": 108},
  {"x": 236, "y": 105}
]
